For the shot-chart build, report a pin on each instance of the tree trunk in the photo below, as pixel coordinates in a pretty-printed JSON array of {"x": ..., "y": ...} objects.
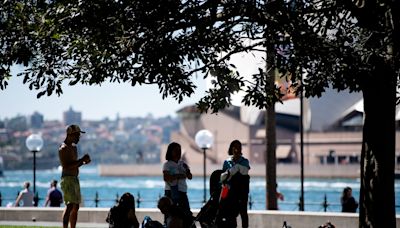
[
  {"x": 377, "y": 201},
  {"x": 270, "y": 129},
  {"x": 271, "y": 159}
]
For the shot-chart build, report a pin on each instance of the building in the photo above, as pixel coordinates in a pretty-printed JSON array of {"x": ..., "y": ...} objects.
[
  {"x": 241, "y": 123},
  {"x": 36, "y": 120},
  {"x": 72, "y": 117},
  {"x": 332, "y": 131}
]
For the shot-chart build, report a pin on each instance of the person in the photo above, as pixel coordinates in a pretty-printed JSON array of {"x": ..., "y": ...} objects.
[
  {"x": 123, "y": 215},
  {"x": 68, "y": 155},
  {"x": 171, "y": 213},
  {"x": 175, "y": 172},
  {"x": 236, "y": 174},
  {"x": 279, "y": 195},
  {"x": 54, "y": 196},
  {"x": 25, "y": 196},
  {"x": 349, "y": 204},
  {"x": 327, "y": 225}
]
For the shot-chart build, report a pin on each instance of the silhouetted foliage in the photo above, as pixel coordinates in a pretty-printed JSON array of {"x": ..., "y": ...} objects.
[{"x": 343, "y": 44}]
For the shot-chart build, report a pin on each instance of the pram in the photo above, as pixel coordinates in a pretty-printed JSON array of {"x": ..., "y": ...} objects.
[{"x": 219, "y": 211}]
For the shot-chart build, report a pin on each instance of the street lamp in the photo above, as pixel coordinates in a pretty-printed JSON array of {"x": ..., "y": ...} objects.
[
  {"x": 34, "y": 143},
  {"x": 204, "y": 139}
]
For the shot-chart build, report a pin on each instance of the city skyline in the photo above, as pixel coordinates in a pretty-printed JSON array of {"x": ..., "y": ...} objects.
[
  {"x": 110, "y": 99},
  {"x": 95, "y": 102}
]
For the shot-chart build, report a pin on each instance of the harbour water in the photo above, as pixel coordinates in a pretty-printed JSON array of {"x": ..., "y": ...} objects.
[{"x": 149, "y": 189}]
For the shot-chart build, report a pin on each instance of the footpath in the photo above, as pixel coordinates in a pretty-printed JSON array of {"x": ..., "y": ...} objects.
[
  {"x": 95, "y": 217},
  {"x": 51, "y": 224}
]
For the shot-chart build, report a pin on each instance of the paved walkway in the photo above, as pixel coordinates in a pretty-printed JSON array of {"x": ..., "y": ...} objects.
[
  {"x": 51, "y": 224},
  {"x": 55, "y": 224}
]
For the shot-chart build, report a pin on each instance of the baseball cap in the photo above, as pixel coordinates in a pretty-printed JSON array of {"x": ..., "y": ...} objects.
[{"x": 71, "y": 129}]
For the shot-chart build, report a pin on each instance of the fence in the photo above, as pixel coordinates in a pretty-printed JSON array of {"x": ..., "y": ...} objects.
[{"x": 324, "y": 204}]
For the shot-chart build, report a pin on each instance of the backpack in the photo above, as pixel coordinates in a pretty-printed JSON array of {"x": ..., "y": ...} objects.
[{"x": 149, "y": 223}]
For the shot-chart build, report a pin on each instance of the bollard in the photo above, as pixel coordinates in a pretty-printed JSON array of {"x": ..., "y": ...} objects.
[
  {"x": 96, "y": 199},
  {"x": 325, "y": 204},
  {"x": 299, "y": 204},
  {"x": 36, "y": 200},
  {"x": 138, "y": 200},
  {"x": 250, "y": 202}
]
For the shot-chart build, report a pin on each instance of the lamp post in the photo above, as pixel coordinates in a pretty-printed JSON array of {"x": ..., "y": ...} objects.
[
  {"x": 204, "y": 139},
  {"x": 34, "y": 143}
]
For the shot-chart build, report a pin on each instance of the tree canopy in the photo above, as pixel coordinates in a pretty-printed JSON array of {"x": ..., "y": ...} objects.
[
  {"x": 167, "y": 42},
  {"x": 340, "y": 44}
]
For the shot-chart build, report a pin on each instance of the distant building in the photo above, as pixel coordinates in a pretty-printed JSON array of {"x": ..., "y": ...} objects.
[
  {"x": 4, "y": 135},
  {"x": 241, "y": 123},
  {"x": 17, "y": 123},
  {"x": 36, "y": 120},
  {"x": 332, "y": 126},
  {"x": 72, "y": 117}
]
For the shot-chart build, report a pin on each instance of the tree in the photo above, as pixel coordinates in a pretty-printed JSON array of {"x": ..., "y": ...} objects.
[{"x": 342, "y": 44}]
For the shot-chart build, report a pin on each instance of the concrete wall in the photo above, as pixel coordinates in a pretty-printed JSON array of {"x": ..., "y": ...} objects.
[
  {"x": 283, "y": 170},
  {"x": 258, "y": 219}
]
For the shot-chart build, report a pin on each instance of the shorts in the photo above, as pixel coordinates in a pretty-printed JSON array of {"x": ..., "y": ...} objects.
[{"x": 71, "y": 189}]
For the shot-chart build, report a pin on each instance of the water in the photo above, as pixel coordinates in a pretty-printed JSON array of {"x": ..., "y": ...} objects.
[{"x": 151, "y": 188}]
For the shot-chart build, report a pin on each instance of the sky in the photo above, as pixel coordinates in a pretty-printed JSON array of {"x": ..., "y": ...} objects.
[
  {"x": 94, "y": 102},
  {"x": 109, "y": 100}
]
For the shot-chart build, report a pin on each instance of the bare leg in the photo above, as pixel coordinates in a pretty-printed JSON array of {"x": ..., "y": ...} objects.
[
  {"x": 74, "y": 215},
  {"x": 66, "y": 215}
]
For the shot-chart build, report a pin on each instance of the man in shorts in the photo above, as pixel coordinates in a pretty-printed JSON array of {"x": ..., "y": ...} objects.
[{"x": 70, "y": 163}]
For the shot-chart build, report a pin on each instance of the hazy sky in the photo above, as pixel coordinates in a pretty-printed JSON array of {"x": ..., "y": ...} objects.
[
  {"x": 97, "y": 102},
  {"x": 94, "y": 102}
]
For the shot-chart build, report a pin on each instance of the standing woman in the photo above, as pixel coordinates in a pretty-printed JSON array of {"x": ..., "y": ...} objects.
[
  {"x": 349, "y": 204},
  {"x": 236, "y": 173},
  {"x": 175, "y": 172}
]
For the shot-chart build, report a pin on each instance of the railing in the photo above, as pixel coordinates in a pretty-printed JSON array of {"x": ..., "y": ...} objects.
[{"x": 324, "y": 205}]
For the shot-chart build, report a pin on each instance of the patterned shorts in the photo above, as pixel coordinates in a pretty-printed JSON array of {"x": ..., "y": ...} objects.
[{"x": 71, "y": 189}]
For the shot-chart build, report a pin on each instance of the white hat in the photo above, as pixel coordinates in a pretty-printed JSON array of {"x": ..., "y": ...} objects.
[{"x": 71, "y": 129}]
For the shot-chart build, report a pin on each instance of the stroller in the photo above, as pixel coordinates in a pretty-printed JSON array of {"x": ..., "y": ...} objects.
[{"x": 221, "y": 209}]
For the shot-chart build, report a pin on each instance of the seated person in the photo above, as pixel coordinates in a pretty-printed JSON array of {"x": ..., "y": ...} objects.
[
  {"x": 171, "y": 212},
  {"x": 25, "y": 196},
  {"x": 327, "y": 225},
  {"x": 122, "y": 215},
  {"x": 54, "y": 196}
]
